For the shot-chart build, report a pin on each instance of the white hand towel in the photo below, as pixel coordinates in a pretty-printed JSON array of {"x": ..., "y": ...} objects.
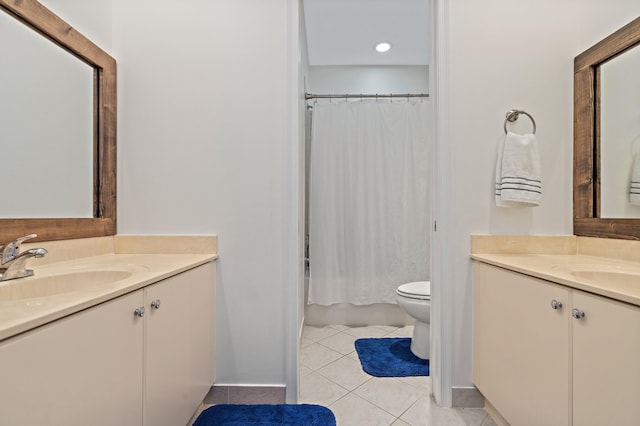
[
  {"x": 634, "y": 186},
  {"x": 518, "y": 181}
]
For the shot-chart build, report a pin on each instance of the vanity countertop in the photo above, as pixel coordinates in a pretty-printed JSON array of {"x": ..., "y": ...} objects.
[
  {"x": 616, "y": 279},
  {"x": 67, "y": 285},
  {"x": 608, "y": 271}
]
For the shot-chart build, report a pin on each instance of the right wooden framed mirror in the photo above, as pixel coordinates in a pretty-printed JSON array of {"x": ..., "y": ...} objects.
[{"x": 606, "y": 129}]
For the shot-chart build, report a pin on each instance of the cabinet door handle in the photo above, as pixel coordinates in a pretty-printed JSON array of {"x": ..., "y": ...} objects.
[
  {"x": 155, "y": 304},
  {"x": 139, "y": 312},
  {"x": 577, "y": 314},
  {"x": 555, "y": 304}
]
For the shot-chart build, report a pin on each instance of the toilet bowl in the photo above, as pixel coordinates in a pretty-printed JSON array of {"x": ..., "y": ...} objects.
[{"x": 415, "y": 299}]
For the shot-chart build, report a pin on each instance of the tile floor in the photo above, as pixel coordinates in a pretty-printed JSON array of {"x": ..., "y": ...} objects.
[{"x": 331, "y": 375}]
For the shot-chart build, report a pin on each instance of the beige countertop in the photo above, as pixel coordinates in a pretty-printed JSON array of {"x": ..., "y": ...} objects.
[
  {"x": 131, "y": 264},
  {"x": 616, "y": 279},
  {"x": 611, "y": 273}
]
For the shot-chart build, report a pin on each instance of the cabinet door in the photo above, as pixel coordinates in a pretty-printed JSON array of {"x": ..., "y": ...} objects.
[
  {"x": 85, "y": 369},
  {"x": 606, "y": 362},
  {"x": 520, "y": 346},
  {"x": 179, "y": 346}
]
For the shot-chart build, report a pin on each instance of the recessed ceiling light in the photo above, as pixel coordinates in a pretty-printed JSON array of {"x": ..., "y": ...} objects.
[{"x": 383, "y": 47}]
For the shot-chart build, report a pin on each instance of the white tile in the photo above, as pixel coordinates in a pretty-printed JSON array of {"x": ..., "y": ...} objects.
[
  {"x": 354, "y": 355},
  {"x": 346, "y": 372},
  {"x": 406, "y": 331},
  {"x": 421, "y": 382},
  {"x": 425, "y": 412},
  {"x": 315, "y": 356},
  {"x": 488, "y": 421},
  {"x": 304, "y": 370},
  {"x": 315, "y": 333},
  {"x": 387, "y": 328},
  {"x": 305, "y": 342},
  {"x": 341, "y": 342},
  {"x": 390, "y": 394},
  {"x": 367, "y": 331},
  {"x": 355, "y": 411},
  {"x": 472, "y": 416},
  {"x": 417, "y": 414},
  {"x": 372, "y": 403},
  {"x": 339, "y": 327},
  {"x": 315, "y": 389}
]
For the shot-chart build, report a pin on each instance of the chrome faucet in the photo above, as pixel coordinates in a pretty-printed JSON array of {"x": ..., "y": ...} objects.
[{"x": 13, "y": 262}]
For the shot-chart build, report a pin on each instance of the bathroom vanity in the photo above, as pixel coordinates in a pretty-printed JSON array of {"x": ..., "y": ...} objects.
[
  {"x": 557, "y": 329},
  {"x": 114, "y": 331},
  {"x": 557, "y": 319},
  {"x": 111, "y": 330}
]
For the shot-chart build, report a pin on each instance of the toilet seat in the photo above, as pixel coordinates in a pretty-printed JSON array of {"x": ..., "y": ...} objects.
[{"x": 419, "y": 290}]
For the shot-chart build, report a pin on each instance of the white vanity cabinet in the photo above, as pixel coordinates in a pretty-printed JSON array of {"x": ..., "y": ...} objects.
[
  {"x": 110, "y": 366},
  {"x": 179, "y": 346},
  {"x": 538, "y": 364},
  {"x": 520, "y": 346},
  {"x": 85, "y": 369},
  {"x": 606, "y": 362}
]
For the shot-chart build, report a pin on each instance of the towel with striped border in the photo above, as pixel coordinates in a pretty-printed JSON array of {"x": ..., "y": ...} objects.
[{"x": 518, "y": 180}]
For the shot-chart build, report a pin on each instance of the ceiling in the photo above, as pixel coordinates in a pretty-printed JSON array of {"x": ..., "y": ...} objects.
[{"x": 345, "y": 32}]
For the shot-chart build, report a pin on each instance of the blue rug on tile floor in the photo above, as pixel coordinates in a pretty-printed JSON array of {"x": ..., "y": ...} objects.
[
  {"x": 266, "y": 415},
  {"x": 390, "y": 357}
]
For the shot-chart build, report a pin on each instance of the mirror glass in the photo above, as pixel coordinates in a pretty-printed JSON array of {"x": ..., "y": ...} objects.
[
  {"x": 620, "y": 135},
  {"x": 46, "y": 127}
]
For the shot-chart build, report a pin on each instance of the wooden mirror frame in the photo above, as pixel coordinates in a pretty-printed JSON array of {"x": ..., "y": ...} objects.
[
  {"x": 586, "y": 138},
  {"x": 45, "y": 22}
]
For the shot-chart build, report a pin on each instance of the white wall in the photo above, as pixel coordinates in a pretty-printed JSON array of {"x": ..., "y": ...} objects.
[
  {"x": 203, "y": 149},
  {"x": 368, "y": 79},
  {"x": 506, "y": 54},
  {"x": 92, "y": 18}
]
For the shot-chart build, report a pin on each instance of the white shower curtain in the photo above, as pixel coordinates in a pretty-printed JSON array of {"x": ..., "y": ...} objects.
[{"x": 369, "y": 204}]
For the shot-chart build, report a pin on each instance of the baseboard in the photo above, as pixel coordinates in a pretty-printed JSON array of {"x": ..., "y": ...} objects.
[
  {"x": 466, "y": 397},
  {"x": 246, "y": 394}
]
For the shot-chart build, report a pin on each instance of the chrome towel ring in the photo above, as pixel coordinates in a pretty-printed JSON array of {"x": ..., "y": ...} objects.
[{"x": 514, "y": 114}]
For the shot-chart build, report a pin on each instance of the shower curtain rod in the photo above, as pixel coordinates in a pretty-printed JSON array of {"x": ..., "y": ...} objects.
[{"x": 308, "y": 96}]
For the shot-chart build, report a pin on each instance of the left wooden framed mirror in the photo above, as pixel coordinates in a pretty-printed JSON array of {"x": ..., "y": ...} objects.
[{"x": 101, "y": 219}]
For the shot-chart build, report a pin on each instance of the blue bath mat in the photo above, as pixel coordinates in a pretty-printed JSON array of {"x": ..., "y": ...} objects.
[
  {"x": 266, "y": 415},
  {"x": 390, "y": 357}
]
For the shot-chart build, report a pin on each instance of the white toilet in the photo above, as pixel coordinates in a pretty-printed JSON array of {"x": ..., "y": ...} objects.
[{"x": 415, "y": 299}]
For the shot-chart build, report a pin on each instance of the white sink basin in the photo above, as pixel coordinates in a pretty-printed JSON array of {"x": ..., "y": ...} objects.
[
  {"x": 53, "y": 285},
  {"x": 609, "y": 277}
]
